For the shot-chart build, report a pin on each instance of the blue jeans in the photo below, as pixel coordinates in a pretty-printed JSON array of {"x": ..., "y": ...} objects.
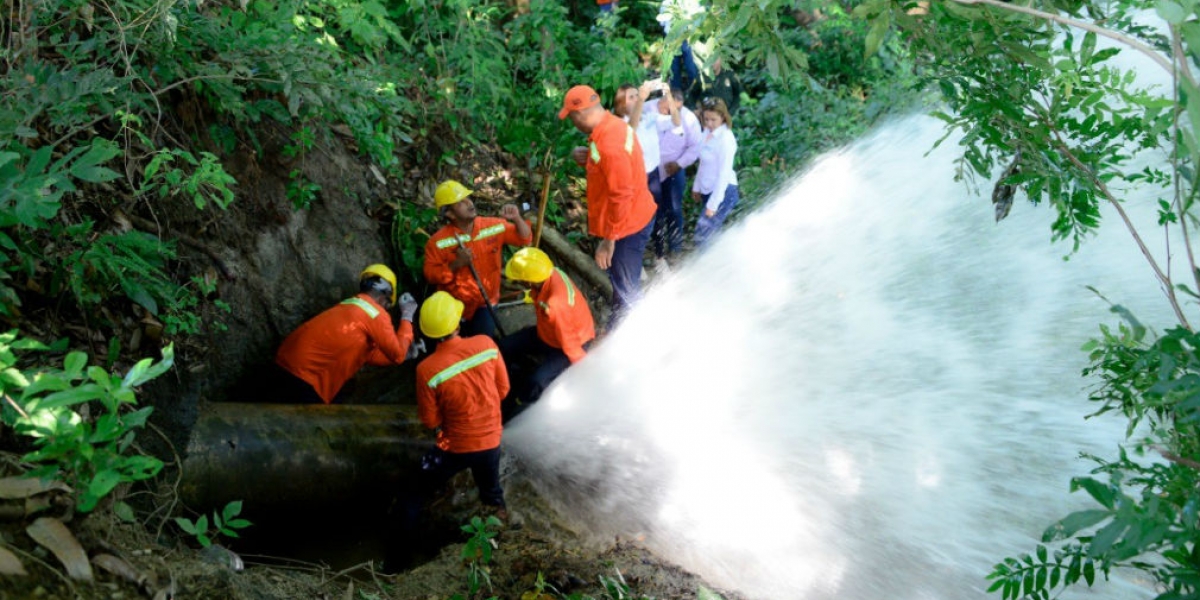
[
  {"x": 668, "y": 223},
  {"x": 626, "y": 272},
  {"x": 707, "y": 226}
]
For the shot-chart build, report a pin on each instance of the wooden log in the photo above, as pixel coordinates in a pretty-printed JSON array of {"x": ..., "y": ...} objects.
[{"x": 570, "y": 258}]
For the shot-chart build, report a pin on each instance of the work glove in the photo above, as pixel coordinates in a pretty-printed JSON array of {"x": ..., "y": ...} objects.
[
  {"x": 408, "y": 307},
  {"x": 415, "y": 349}
]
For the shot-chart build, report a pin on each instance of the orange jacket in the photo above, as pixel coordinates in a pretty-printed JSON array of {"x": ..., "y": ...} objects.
[
  {"x": 328, "y": 349},
  {"x": 459, "y": 389},
  {"x": 564, "y": 320},
  {"x": 619, "y": 201},
  {"x": 486, "y": 244}
]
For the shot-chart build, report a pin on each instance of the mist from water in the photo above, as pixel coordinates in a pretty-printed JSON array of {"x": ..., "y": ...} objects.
[{"x": 867, "y": 390}]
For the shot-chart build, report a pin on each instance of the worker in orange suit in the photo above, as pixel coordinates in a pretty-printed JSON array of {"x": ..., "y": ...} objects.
[
  {"x": 620, "y": 208},
  {"x": 469, "y": 246},
  {"x": 459, "y": 390},
  {"x": 328, "y": 349},
  {"x": 562, "y": 335}
]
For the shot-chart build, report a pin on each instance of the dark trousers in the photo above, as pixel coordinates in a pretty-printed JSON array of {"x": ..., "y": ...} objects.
[
  {"x": 625, "y": 272},
  {"x": 668, "y": 222},
  {"x": 532, "y": 366},
  {"x": 289, "y": 389},
  {"x": 480, "y": 323},
  {"x": 438, "y": 466},
  {"x": 683, "y": 68}
]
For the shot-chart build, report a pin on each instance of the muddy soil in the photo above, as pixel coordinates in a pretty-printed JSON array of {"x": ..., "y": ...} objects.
[{"x": 534, "y": 551}]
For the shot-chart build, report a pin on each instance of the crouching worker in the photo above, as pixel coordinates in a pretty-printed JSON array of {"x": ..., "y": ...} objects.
[
  {"x": 328, "y": 349},
  {"x": 563, "y": 333},
  {"x": 459, "y": 389}
]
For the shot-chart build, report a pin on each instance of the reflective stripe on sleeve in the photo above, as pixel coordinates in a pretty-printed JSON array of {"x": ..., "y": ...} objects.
[
  {"x": 453, "y": 240},
  {"x": 570, "y": 287},
  {"x": 486, "y": 232},
  {"x": 462, "y": 366}
]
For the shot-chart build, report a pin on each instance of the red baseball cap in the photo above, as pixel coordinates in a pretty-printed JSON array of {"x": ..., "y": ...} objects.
[{"x": 579, "y": 98}]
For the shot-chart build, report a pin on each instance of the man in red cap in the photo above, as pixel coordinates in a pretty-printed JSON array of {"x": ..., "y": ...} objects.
[{"x": 620, "y": 208}]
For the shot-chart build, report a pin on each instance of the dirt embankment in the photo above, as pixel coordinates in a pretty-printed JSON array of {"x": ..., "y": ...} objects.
[{"x": 276, "y": 267}]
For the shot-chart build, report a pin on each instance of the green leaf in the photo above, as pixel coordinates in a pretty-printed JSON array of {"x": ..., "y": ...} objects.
[
  {"x": 232, "y": 510},
  {"x": 102, "y": 484},
  {"x": 87, "y": 167},
  {"x": 1099, "y": 491},
  {"x": 144, "y": 371},
  {"x": 73, "y": 396},
  {"x": 1170, "y": 12},
  {"x": 186, "y": 525},
  {"x": 124, "y": 512},
  {"x": 1073, "y": 523},
  {"x": 74, "y": 363}
]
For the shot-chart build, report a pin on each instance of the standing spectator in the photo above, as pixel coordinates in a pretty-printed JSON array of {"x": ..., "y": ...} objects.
[
  {"x": 630, "y": 104},
  {"x": 459, "y": 389},
  {"x": 724, "y": 85},
  {"x": 620, "y": 207},
  {"x": 681, "y": 13},
  {"x": 679, "y": 146},
  {"x": 465, "y": 254},
  {"x": 716, "y": 182}
]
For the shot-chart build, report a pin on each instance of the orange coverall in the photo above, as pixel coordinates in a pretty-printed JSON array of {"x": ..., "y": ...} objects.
[
  {"x": 564, "y": 320},
  {"x": 486, "y": 243},
  {"x": 619, "y": 202},
  {"x": 459, "y": 389},
  {"x": 328, "y": 349}
]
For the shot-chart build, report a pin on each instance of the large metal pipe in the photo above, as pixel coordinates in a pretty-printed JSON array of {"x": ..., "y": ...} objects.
[{"x": 300, "y": 456}]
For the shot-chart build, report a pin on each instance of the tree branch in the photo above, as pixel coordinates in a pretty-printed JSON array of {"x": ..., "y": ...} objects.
[{"x": 1084, "y": 25}]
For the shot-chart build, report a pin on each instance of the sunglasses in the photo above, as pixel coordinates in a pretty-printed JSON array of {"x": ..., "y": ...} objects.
[{"x": 710, "y": 102}]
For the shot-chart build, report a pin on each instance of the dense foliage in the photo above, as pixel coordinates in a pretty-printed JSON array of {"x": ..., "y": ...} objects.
[
  {"x": 1043, "y": 103},
  {"x": 113, "y": 114}
]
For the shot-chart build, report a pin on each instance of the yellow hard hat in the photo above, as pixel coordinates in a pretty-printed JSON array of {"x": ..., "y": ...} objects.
[
  {"x": 529, "y": 264},
  {"x": 381, "y": 271},
  {"x": 449, "y": 192},
  {"x": 440, "y": 315}
]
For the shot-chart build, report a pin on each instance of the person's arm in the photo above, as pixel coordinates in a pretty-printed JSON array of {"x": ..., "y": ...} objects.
[
  {"x": 428, "y": 410},
  {"x": 437, "y": 264},
  {"x": 726, "y": 150},
  {"x": 518, "y": 232},
  {"x": 736, "y": 88},
  {"x": 635, "y": 115},
  {"x": 569, "y": 340},
  {"x": 502, "y": 384},
  {"x": 391, "y": 347},
  {"x": 694, "y": 139}
]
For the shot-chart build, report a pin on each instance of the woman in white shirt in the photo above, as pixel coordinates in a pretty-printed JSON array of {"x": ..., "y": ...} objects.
[{"x": 716, "y": 183}]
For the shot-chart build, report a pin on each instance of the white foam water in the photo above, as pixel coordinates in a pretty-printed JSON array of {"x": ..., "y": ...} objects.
[{"x": 868, "y": 390}]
